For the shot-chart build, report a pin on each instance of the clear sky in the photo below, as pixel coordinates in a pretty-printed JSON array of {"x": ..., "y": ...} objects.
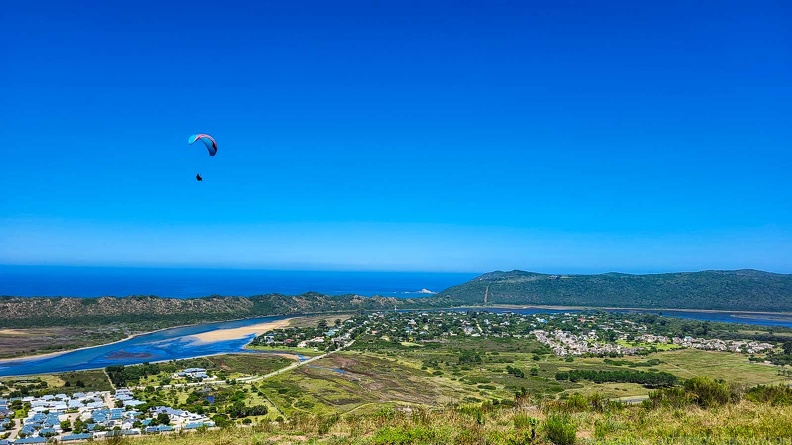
[{"x": 549, "y": 136}]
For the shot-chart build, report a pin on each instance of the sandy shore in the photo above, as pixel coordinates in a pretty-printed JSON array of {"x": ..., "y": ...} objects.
[{"x": 236, "y": 333}]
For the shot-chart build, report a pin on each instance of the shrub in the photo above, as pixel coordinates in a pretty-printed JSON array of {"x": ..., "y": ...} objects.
[
  {"x": 525, "y": 422},
  {"x": 326, "y": 423},
  {"x": 576, "y": 403},
  {"x": 708, "y": 392},
  {"x": 560, "y": 429},
  {"x": 774, "y": 395}
]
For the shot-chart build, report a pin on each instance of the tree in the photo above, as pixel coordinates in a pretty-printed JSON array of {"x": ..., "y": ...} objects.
[
  {"x": 66, "y": 425},
  {"x": 787, "y": 347},
  {"x": 322, "y": 325},
  {"x": 163, "y": 419},
  {"x": 221, "y": 420}
]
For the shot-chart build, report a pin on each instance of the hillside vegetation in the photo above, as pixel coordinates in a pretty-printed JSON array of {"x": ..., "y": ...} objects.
[
  {"x": 702, "y": 411},
  {"x": 155, "y": 312},
  {"x": 739, "y": 290}
]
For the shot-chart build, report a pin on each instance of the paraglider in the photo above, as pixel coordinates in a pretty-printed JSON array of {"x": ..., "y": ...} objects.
[{"x": 209, "y": 142}]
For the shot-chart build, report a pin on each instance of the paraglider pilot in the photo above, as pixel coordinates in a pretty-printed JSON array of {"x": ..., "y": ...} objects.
[{"x": 198, "y": 177}]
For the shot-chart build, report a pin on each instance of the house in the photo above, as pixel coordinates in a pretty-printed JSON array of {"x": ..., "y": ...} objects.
[
  {"x": 194, "y": 373},
  {"x": 194, "y": 425},
  {"x": 31, "y": 440},
  {"x": 158, "y": 429},
  {"x": 83, "y": 436}
]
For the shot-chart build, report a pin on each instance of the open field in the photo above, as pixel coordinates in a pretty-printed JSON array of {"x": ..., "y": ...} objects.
[
  {"x": 351, "y": 381},
  {"x": 308, "y": 352},
  {"x": 658, "y": 346},
  {"x": 68, "y": 382},
  {"x": 250, "y": 364},
  {"x": 226, "y": 366}
]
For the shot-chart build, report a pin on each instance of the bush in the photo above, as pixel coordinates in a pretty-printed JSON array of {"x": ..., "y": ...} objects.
[
  {"x": 525, "y": 422},
  {"x": 560, "y": 429},
  {"x": 576, "y": 403},
  {"x": 708, "y": 392},
  {"x": 774, "y": 395}
]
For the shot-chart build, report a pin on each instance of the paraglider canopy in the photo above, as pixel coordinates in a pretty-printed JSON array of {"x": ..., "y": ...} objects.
[{"x": 209, "y": 141}]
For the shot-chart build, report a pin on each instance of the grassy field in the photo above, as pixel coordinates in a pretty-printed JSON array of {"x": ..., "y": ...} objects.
[
  {"x": 230, "y": 366},
  {"x": 658, "y": 346},
  {"x": 251, "y": 364},
  {"x": 68, "y": 382},
  {"x": 308, "y": 352},
  {"x": 346, "y": 382}
]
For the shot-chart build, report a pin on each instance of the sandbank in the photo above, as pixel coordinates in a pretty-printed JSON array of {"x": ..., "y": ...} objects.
[{"x": 237, "y": 333}]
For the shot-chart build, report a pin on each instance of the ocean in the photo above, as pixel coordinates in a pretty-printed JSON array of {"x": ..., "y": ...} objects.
[{"x": 74, "y": 281}]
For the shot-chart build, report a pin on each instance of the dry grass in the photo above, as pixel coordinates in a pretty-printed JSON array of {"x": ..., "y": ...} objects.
[{"x": 740, "y": 423}]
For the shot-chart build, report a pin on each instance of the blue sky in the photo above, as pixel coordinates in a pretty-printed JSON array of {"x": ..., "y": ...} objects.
[{"x": 393, "y": 135}]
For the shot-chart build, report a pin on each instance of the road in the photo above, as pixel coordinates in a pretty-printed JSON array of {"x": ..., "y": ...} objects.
[
  {"x": 293, "y": 366},
  {"x": 254, "y": 378}
]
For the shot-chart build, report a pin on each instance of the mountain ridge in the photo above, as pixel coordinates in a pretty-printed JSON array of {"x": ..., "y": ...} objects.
[{"x": 741, "y": 289}]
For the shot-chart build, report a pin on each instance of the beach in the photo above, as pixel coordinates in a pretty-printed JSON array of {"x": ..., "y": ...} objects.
[{"x": 242, "y": 332}]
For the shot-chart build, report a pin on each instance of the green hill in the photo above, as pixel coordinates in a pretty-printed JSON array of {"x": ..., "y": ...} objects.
[{"x": 744, "y": 290}]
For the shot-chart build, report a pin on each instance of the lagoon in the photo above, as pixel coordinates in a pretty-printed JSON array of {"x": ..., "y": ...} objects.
[{"x": 168, "y": 344}]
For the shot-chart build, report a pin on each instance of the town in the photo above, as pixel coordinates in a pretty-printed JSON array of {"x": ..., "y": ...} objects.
[
  {"x": 165, "y": 398},
  {"x": 88, "y": 416},
  {"x": 595, "y": 333}
]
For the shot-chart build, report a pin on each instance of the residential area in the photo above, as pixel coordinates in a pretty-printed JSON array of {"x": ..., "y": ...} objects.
[
  {"x": 564, "y": 333},
  {"x": 88, "y": 416}
]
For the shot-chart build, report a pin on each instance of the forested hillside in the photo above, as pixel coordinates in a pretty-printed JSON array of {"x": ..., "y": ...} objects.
[{"x": 739, "y": 290}]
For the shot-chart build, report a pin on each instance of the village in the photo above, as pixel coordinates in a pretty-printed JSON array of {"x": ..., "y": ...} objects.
[
  {"x": 564, "y": 333},
  {"x": 89, "y": 416}
]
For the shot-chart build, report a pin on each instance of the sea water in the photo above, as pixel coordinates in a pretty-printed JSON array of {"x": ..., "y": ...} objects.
[{"x": 68, "y": 281}]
